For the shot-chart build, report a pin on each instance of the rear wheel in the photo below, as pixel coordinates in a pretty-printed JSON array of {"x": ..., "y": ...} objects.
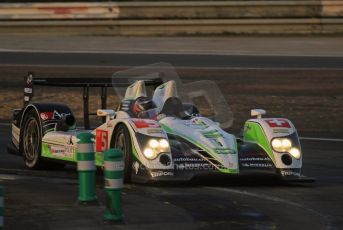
[
  {"x": 122, "y": 141},
  {"x": 31, "y": 140},
  {"x": 31, "y": 144}
]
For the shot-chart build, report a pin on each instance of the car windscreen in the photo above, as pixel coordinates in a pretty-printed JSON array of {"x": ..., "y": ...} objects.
[{"x": 204, "y": 95}]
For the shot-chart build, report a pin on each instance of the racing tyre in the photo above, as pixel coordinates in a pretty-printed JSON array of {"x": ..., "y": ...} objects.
[
  {"x": 31, "y": 140},
  {"x": 122, "y": 141}
]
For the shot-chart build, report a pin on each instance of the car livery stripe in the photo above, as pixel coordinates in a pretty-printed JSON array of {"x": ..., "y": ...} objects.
[
  {"x": 255, "y": 133},
  {"x": 46, "y": 153},
  {"x": 169, "y": 130}
]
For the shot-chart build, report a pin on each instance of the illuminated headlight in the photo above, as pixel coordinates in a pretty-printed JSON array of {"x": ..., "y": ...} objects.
[
  {"x": 155, "y": 147},
  {"x": 295, "y": 152},
  {"x": 149, "y": 153},
  {"x": 281, "y": 144},
  {"x": 286, "y": 143},
  {"x": 164, "y": 143},
  {"x": 154, "y": 143},
  {"x": 277, "y": 144}
]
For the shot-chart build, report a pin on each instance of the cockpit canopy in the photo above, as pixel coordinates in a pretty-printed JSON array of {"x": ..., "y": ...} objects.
[{"x": 160, "y": 83}]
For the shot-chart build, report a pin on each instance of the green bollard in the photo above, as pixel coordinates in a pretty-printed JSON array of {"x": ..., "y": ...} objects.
[
  {"x": 86, "y": 168},
  {"x": 114, "y": 171},
  {"x": 2, "y": 208}
]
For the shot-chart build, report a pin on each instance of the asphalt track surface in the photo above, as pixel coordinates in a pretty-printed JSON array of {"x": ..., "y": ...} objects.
[
  {"x": 179, "y": 60},
  {"x": 244, "y": 203},
  {"x": 234, "y": 203}
]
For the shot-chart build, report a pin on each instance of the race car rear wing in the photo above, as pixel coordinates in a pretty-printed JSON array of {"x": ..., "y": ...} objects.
[{"x": 86, "y": 84}]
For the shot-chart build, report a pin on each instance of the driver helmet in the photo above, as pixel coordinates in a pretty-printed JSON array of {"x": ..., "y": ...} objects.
[{"x": 143, "y": 107}]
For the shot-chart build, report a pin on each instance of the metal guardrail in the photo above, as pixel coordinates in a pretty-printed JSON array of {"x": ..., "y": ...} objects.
[
  {"x": 174, "y": 17},
  {"x": 172, "y": 10}
]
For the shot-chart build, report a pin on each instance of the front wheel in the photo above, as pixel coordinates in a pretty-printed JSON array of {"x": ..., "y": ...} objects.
[
  {"x": 31, "y": 140},
  {"x": 122, "y": 141}
]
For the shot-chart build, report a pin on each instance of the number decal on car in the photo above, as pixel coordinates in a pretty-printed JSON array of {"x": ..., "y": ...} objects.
[{"x": 101, "y": 140}]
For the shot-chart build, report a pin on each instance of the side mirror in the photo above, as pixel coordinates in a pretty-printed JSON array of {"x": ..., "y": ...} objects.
[
  {"x": 108, "y": 113},
  {"x": 258, "y": 113}
]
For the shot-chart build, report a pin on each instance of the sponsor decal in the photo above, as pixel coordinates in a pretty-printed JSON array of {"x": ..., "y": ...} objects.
[
  {"x": 141, "y": 124},
  {"x": 193, "y": 166},
  {"x": 52, "y": 115},
  {"x": 152, "y": 131},
  {"x": 281, "y": 131},
  {"x": 278, "y": 123},
  {"x": 57, "y": 115},
  {"x": 28, "y": 90},
  {"x": 257, "y": 165},
  {"x": 26, "y": 98},
  {"x": 192, "y": 159},
  {"x": 161, "y": 173},
  {"x": 289, "y": 173},
  {"x": 46, "y": 116},
  {"x": 58, "y": 151},
  {"x": 101, "y": 139},
  {"x": 62, "y": 151},
  {"x": 255, "y": 159}
]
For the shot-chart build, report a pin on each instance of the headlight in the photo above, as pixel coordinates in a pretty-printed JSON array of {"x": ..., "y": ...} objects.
[
  {"x": 164, "y": 143},
  {"x": 277, "y": 144},
  {"x": 295, "y": 152},
  {"x": 155, "y": 147},
  {"x": 149, "y": 153},
  {"x": 286, "y": 143},
  {"x": 153, "y": 143},
  {"x": 281, "y": 144}
]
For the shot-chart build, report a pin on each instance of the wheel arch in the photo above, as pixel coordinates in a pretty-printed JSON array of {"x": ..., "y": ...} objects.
[
  {"x": 115, "y": 128},
  {"x": 26, "y": 110},
  {"x": 51, "y": 108}
]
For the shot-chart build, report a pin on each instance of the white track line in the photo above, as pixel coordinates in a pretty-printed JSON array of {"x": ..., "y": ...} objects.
[
  {"x": 168, "y": 51},
  {"x": 321, "y": 139}
]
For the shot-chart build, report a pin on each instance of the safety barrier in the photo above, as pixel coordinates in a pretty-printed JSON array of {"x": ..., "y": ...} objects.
[
  {"x": 113, "y": 174},
  {"x": 86, "y": 168},
  {"x": 114, "y": 168},
  {"x": 174, "y": 17}
]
